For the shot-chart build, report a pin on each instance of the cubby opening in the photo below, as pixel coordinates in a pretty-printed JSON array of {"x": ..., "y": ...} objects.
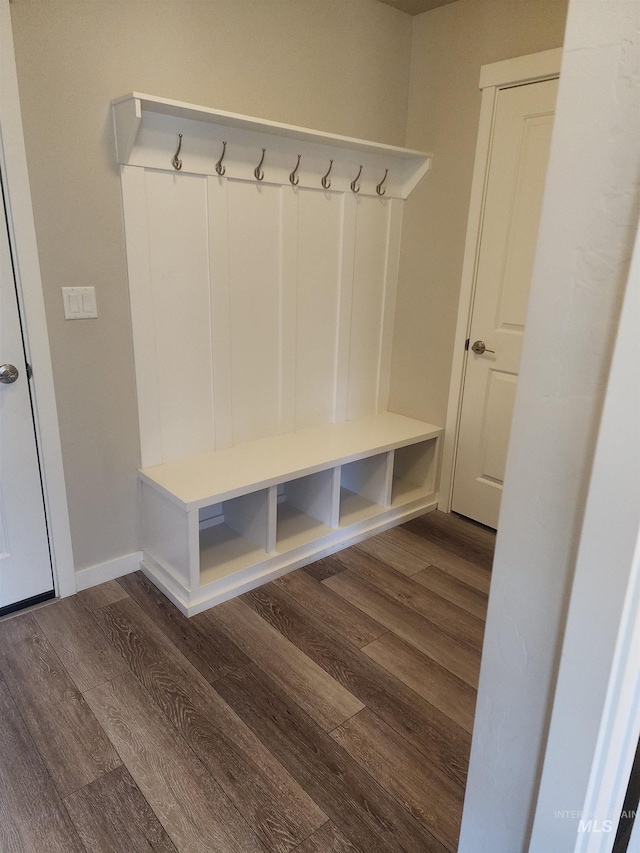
[
  {"x": 363, "y": 488},
  {"x": 233, "y": 535},
  {"x": 414, "y": 472},
  {"x": 304, "y": 510}
]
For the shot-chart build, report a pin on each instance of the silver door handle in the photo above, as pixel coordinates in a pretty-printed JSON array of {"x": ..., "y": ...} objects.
[
  {"x": 8, "y": 373},
  {"x": 479, "y": 348}
]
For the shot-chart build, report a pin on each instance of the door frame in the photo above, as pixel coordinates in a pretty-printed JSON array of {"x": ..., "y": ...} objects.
[
  {"x": 22, "y": 237},
  {"x": 593, "y": 768},
  {"x": 533, "y": 68}
]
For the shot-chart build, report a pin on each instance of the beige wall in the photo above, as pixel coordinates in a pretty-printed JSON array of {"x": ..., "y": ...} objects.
[
  {"x": 337, "y": 66},
  {"x": 449, "y": 46}
]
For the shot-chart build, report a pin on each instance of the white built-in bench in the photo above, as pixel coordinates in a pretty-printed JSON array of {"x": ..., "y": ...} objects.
[{"x": 221, "y": 523}]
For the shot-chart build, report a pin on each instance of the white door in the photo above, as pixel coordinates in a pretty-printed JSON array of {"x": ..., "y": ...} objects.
[
  {"x": 512, "y": 205},
  {"x": 25, "y": 561}
]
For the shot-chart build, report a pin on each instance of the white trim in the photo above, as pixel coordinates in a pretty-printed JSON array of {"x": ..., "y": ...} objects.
[
  {"x": 22, "y": 228},
  {"x": 590, "y": 761},
  {"x": 522, "y": 69},
  {"x": 610, "y": 700},
  {"x": 109, "y": 571},
  {"x": 620, "y": 728},
  {"x": 499, "y": 75}
]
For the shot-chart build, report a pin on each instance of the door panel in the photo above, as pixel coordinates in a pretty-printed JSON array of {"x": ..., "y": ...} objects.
[
  {"x": 25, "y": 562},
  {"x": 513, "y": 201},
  {"x": 501, "y": 392}
]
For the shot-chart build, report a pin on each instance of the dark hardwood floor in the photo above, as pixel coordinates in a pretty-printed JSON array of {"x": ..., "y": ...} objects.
[{"x": 329, "y": 711}]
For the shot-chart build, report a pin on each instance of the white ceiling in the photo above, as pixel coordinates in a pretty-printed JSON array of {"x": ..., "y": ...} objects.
[{"x": 416, "y": 7}]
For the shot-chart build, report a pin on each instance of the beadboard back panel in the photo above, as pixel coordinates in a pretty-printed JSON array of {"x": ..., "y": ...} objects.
[{"x": 257, "y": 308}]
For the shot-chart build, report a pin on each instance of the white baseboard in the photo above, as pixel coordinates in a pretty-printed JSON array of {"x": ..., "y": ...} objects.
[{"x": 108, "y": 571}]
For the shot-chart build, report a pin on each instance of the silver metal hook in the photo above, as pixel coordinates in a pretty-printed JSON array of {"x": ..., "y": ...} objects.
[
  {"x": 257, "y": 171},
  {"x": 292, "y": 177},
  {"x": 326, "y": 183},
  {"x": 355, "y": 186},
  {"x": 176, "y": 162},
  {"x": 220, "y": 169},
  {"x": 379, "y": 189}
]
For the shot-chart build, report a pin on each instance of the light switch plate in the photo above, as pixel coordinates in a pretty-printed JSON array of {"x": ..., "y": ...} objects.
[{"x": 79, "y": 303}]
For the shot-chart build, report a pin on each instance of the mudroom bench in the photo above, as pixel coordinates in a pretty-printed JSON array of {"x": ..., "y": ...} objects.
[{"x": 221, "y": 523}]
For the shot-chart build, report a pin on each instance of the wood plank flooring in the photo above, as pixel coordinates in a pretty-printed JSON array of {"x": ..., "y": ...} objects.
[{"x": 329, "y": 711}]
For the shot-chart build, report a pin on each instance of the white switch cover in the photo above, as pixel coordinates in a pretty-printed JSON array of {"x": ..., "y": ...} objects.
[{"x": 79, "y": 303}]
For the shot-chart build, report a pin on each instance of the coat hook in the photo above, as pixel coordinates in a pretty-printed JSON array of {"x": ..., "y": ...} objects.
[
  {"x": 325, "y": 181},
  {"x": 257, "y": 171},
  {"x": 292, "y": 177},
  {"x": 355, "y": 186},
  {"x": 176, "y": 162},
  {"x": 220, "y": 169},
  {"x": 379, "y": 189}
]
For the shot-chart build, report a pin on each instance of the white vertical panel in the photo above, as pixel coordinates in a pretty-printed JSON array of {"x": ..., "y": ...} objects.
[
  {"x": 319, "y": 236},
  {"x": 272, "y": 519},
  {"x": 134, "y": 201},
  {"x": 347, "y": 261},
  {"x": 193, "y": 560},
  {"x": 4, "y": 539},
  {"x": 389, "y": 306},
  {"x": 220, "y": 311},
  {"x": 288, "y": 309},
  {"x": 254, "y": 221},
  {"x": 372, "y": 225},
  {"x": 179, "y": 261},
  {"x": 165, "y": 534}
]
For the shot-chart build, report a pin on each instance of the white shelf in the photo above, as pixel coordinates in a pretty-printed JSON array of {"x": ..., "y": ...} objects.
[
  {"x": 146, "y": 129},
  {"x": 296, "y": 528},
  {"x": 212, "y": 477},
  {"x": 404, "y": 491},
  {"x": 355, "y": 508},
  {"x": 224, "y": 551}
]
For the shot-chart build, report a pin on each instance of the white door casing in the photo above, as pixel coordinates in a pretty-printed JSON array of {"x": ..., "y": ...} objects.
[
  {"x": 512, "y": 150},
  {"x": 30, "y": 297},
  {"x": 25, "y": 562}
]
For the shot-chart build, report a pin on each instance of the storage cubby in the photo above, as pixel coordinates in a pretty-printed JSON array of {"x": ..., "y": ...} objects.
[
  {"x": 223, "y": 522},
  {"x": 234, "y": 535},
  {"x": 363, "y": 488},
  {"x": 414, "y": 472},
  {"x": 304, "y": 510}
]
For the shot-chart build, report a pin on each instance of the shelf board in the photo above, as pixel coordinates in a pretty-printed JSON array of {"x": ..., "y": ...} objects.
[
  {"x": 223, "y": 551},
  {"x": 219, "y": 475},
  {"x": 146, "y": 125},
  {"x": 135, "y": 104},
  {"x": 404, "y": 491},
  {"x": 296, "y": 528},
  {"x": 354, "y": 508}
]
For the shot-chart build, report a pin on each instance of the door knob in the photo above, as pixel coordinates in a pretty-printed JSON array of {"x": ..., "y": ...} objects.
[
  {"x": 479, "y": 348},
  {"x": 8, "y": 373}
]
